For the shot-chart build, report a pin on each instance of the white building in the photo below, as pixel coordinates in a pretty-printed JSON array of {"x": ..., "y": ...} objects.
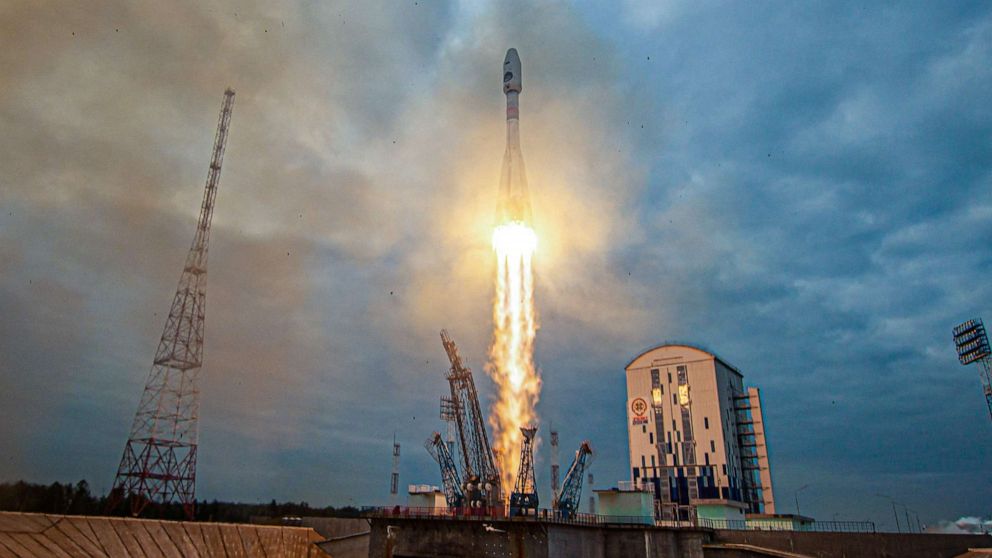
[
  {"x": 697, "y": 437},
  {"x": 425, "y": 496}
]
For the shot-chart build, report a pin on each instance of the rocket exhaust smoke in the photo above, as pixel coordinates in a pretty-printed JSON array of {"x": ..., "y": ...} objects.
[{"x": 514, "y": 318}]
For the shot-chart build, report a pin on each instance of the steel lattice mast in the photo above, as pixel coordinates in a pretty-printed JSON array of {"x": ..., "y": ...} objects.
[{"x": 159, "y": 462}]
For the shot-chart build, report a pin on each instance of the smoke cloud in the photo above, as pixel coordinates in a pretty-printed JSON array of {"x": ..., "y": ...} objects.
[
  {"x": 802, "y": 189},
  {"x": 963, "y": 526}
]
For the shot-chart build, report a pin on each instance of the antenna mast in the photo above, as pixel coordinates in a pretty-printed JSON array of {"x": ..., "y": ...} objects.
[{"x": 159, "y": 462}]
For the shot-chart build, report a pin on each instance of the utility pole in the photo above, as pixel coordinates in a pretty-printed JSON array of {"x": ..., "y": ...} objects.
[
  {"x": 803, "y": 487},
  {"x": 592, "y": 497},
  {"x": 159, "y": 461},
  {"x": 895, "y": 514}
]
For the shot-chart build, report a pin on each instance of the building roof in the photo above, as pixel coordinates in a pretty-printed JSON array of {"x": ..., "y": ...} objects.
[
  {"x": 687, "y": 345},
  {"x": 36, "y": 534}
]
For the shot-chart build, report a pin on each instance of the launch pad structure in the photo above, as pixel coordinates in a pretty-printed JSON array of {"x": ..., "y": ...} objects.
[
  {"x": 482, "y": 483},
  {"x": 477, "y": 491},
  {"x": 524, "y": 499}
]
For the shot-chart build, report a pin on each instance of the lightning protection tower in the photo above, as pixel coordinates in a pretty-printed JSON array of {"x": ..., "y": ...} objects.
[
  {"x": 159, "y": 462},
  {"x": 554, "y": 465},
  {"x": 972, "y": 344}
]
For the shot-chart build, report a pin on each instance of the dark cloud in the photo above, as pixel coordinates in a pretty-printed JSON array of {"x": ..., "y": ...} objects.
[{"x": 802, "y": 189}]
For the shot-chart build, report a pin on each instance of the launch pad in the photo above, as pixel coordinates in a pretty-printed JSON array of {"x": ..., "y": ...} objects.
[{"x": 396, "y": 536}]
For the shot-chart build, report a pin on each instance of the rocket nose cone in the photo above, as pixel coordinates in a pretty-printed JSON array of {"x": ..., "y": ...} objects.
[{"x": 511, "y": 72}]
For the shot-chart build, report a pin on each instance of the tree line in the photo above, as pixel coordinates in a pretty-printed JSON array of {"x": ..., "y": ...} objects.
[{"x": 77, "y": 499}]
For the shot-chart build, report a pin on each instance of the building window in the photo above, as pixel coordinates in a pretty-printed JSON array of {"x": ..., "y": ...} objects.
[
  {"x": 724, "y": 468},
  {"x": 669, "y": 377},
  {"x": 652, "y": 461},
  {"x": 662, "y": 389},
  {"x": 712, "y": 446},
  {"x": 643, "y": 464},
  {"x": 706, "y": 458},
  {"x": 644, "y": 428},
  {"x": 706, "y": 423},
  {"x": 650, "y": 437},
  {"x": 673, "y": 425}
]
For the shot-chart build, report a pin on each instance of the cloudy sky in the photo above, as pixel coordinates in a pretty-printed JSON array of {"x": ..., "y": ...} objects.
[{"x": 804, "y": 189}]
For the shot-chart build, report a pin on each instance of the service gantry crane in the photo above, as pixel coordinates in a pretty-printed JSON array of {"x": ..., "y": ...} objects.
[
  {"x": 523, "y": 499},
  {"x": 482, "y": 478},
  {"x": 570, "y": 495},
  {"x": 438, "y": 449}
]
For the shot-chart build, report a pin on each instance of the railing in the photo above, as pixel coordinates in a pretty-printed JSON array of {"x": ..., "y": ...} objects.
[
  {"x": 785, "y": 524},
  {"x": 553, "y": 516},
  {"x": 631, "y": 486},
  {"x": 543, "y": 515}
]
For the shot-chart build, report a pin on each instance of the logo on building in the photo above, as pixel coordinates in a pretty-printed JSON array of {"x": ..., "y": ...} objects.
[{"x": 639, "y": 406}]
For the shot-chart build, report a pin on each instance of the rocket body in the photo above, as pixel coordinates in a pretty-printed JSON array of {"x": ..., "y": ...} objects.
[{"x": 514, "y": 199}]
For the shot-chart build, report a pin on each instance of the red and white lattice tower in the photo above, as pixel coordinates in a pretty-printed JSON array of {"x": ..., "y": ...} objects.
[{"x": 159, "y": 462}]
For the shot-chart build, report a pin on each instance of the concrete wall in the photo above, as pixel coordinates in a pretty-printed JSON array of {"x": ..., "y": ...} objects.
[
  {"x": 404, "y": 537},
  {"x": 722, "y": 512},
  {"x": 332, "y": 527},
  {"x": 857, "y": 545},
  {"x": 580, "y": 542},
  {"x": 628, "y": 504},
  {"x": 350, "y": 546}
]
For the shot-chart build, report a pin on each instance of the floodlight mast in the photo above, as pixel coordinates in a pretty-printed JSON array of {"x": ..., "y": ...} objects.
[{"x": 972, "y": 344}]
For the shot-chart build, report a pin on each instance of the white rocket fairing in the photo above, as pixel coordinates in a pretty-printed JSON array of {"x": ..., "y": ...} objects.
[{"x": 514, "y": 200}]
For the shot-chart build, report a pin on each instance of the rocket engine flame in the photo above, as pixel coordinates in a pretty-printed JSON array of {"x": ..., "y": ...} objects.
[{"x": 512, "y": 351}]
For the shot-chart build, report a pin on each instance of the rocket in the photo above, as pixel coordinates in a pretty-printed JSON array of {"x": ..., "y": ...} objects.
[{"x": 514, "y": 200}]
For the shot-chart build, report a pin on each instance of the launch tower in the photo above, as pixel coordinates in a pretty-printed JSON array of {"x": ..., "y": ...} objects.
[
  {"x": 482, "y": 477},
  {"x": 523, "y": 499}
]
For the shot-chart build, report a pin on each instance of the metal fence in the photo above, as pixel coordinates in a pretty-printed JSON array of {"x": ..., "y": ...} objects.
[
  {"x": 543, "y": 515},
  {"x": 553, "y": 516}
]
